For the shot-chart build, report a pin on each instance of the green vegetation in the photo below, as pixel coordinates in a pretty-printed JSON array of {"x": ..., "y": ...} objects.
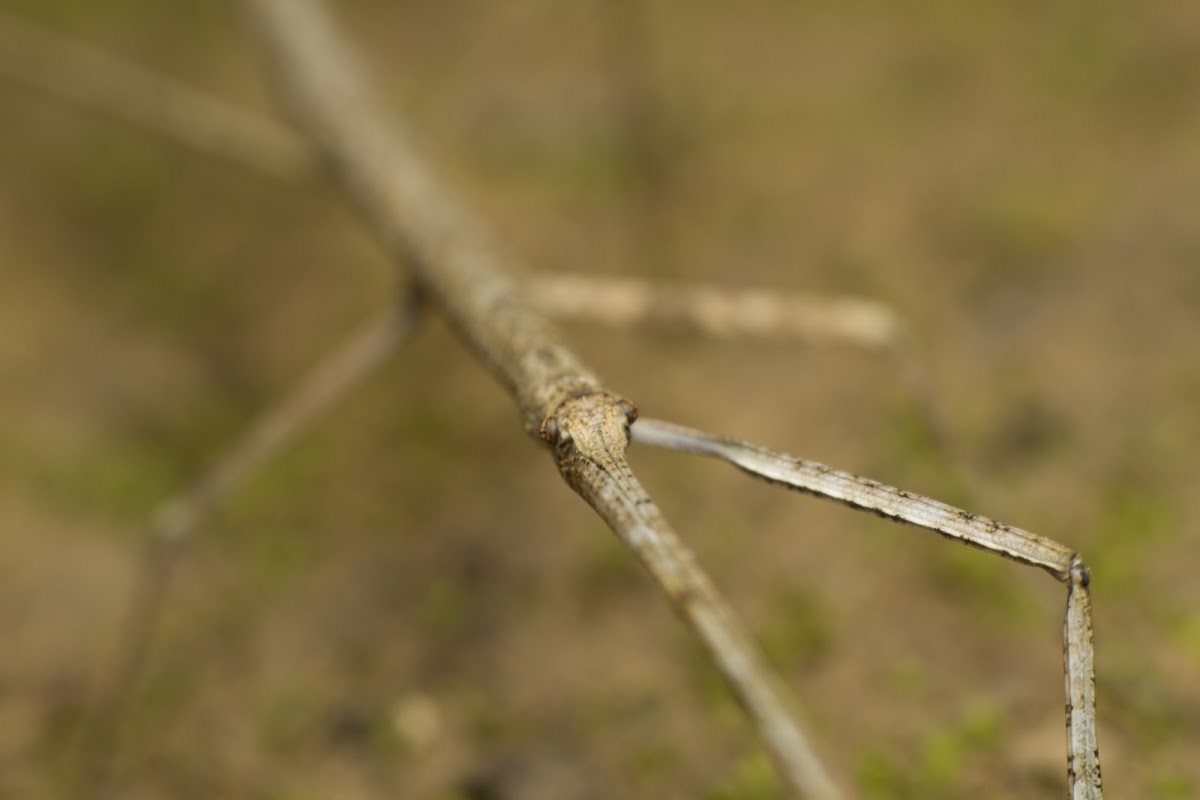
[
  {"x": 938, "y": 769},
  {"x": 753, "y": 779}
]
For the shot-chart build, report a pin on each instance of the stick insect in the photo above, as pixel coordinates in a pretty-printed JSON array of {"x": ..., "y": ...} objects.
[{"x": 348, "y": 367}]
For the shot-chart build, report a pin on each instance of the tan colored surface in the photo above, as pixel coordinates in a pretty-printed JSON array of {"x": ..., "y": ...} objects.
[{"x": 1019, "y": 184}]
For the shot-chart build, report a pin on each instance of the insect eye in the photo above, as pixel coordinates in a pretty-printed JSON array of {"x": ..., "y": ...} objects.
[
  {"x": 549, "y": 431},
  {"x": 629, "y": 410}
]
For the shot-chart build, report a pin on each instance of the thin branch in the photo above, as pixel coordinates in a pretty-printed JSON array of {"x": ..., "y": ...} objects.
[
  {"x": 810, "y": 477},
  {"x": 174, "y": 523},
  {"x": 92, "y": 78},
  {"x": 558, "y": 397},
  {"x": 717, "y": 311}
]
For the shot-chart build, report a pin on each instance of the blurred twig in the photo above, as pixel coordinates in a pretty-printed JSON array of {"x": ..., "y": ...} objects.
[
  {"x": 175, "y": 521},
  {"x": 720, "y": 312},
  {"x": 89, "y": 76}
]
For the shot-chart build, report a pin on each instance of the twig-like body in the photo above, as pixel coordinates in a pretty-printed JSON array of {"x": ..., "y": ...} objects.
[
  {"x": 558, "y": 397},
  {"x": 718, "y": 311},
  {"x": 344, "y": 369},
  {"x": 1083, "y": 764}
]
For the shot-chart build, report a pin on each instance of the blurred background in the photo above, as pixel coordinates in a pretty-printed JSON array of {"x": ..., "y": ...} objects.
[{"x": 408, "y": 602}]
